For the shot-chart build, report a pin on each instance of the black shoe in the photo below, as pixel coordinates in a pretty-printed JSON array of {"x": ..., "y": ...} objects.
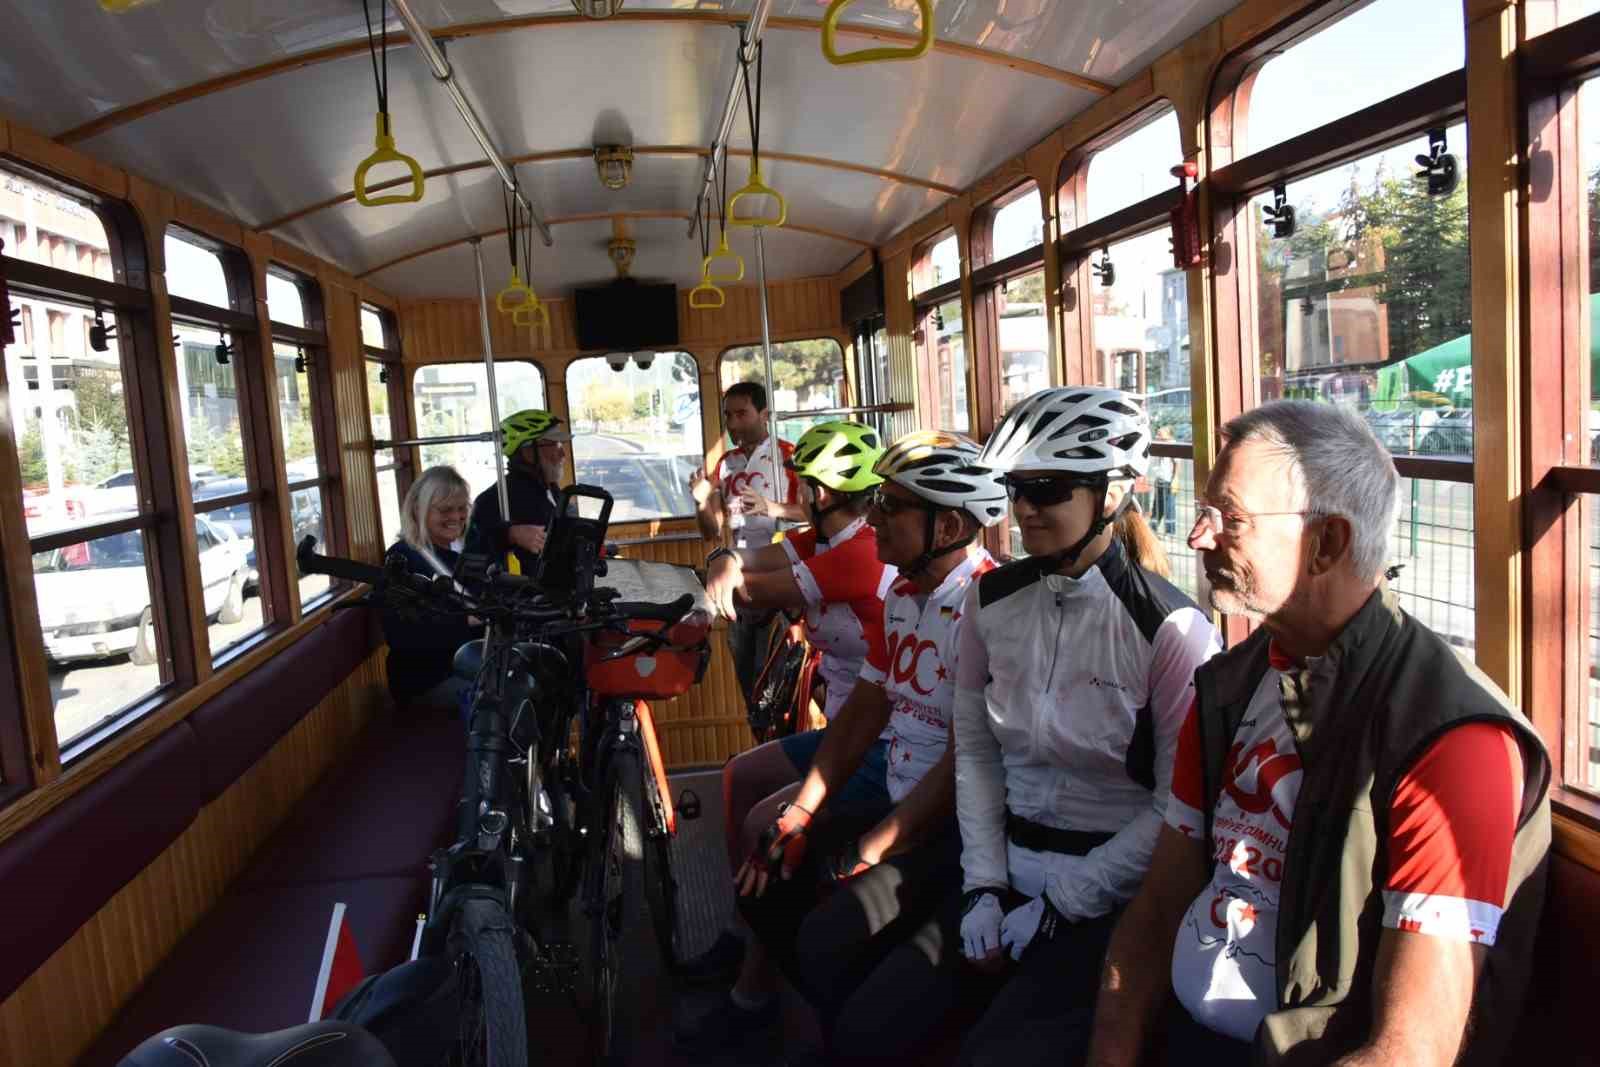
[
  {"x": 717, "y": 964},
  {"x": 725, "y": 1027}
]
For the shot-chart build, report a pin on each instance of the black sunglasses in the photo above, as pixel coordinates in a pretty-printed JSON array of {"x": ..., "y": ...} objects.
[{"x": 1043, "y": 492}]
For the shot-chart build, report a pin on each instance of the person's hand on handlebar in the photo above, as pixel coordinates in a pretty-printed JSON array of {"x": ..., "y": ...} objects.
[{"x": 527, "y": 537}]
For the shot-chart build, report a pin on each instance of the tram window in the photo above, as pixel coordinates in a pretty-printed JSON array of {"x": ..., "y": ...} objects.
[
  {"x": 806, "y": 375},
  {"x": 1017, "y": 225},
  {"x": 1135, "y": 167},
  {"x": 938, "y": 263},
  {"x": 1024, "y": 338},
  {"x": 372, "y": 331},
  {"x": 1368, "y": 304},
  {"x": 1141, "y": 329},
  {"x": 389, "y": 503},
  {"x": 1589, "y": 136},
  {"x": 378, "y": 401},
  {"x": 1353, "y": 63},
  {"x": 285, "y": 303},
  {"x": 100, "y": 642},
  {"x": 635, "y": 434},
  {"x": 41, "y": 224},
  {"x": 944, "y": 359},
  {"x": 194, "y": 271},
  {"x": 452, "y": 399},
  {"x": 296, "y": 385},
  {"x": 1567, "y": 11}
]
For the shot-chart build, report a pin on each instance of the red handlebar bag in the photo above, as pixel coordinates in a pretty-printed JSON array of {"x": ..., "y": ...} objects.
[{"x": 655, "y": 673}]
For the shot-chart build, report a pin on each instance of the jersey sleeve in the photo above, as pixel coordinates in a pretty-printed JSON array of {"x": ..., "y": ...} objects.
[
  {"x": 845, "y": 573},
  {"x": 1452, "y": 824},
  {"x": 980, "y": 766},
  {"x": 720, "y": 471},
  {"x": 1186, "y": 807},
  {"x": 800, "y": 545},
  {"x": 875, "y": 668}
]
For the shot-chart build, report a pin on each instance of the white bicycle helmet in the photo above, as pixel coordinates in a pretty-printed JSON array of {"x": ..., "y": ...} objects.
[
  {"x": 939, "y": 467},
  {"x": 1072, "y": 430}
]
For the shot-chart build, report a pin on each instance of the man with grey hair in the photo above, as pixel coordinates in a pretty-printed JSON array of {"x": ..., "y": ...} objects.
[{"x": 1352, "y": 864}]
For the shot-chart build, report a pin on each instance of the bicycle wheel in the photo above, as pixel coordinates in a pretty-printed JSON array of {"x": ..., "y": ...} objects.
[
  {"x": 618, "y": 933},
  {"x": 660, "y": 887},
  {"x": 492, "y": 1023}
]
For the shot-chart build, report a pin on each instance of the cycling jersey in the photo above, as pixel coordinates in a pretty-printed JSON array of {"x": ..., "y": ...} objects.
[
  {"x": 1450, "y": 830},
  {"x": 843, "y": 583},
  {"x": 914, "y": 663},
  {"x": 1071, "y": 692},
  {"x": 739, "y": 470}
]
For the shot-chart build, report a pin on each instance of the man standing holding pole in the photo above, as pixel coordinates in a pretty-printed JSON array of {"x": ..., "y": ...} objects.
[{"x": 747, "y": 468}]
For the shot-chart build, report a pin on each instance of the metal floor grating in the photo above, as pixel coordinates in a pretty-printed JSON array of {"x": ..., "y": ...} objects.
[{"x": 700, "y": 863}]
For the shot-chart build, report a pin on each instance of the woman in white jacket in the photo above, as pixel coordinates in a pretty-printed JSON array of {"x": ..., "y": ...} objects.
[{"x": 1071, "y": 687}]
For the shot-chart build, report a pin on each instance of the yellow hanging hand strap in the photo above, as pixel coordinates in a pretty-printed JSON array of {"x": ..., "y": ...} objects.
[
  {"x": 516, "y": 296},
  {"x": 385, "y": 153},
  {"x": 830, "y": 29},
  {"x": 706, "y": 296},
  {"x": 723, "y": 252}
]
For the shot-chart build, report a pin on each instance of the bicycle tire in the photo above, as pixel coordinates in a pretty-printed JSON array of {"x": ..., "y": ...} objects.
[
  {"x": 618, "y": 925},
  {"x": 660, "y": 887},
  {"x": 492, "y": 1028}
]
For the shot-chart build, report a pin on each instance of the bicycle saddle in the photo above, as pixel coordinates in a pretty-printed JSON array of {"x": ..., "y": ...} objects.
[{"x": 324, "y": 1044}]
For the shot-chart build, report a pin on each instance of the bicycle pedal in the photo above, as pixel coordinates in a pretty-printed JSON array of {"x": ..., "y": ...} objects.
[{"x": 688, "y": 806}]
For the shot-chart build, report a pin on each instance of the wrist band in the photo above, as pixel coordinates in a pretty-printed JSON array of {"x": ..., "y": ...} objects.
[{"x": 716, "y": 554}]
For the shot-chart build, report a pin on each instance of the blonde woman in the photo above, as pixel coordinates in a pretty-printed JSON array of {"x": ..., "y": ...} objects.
[{"x": 433, "y": 520}]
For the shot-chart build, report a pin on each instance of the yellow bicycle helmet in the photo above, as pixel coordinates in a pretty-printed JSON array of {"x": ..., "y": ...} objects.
[
  {"x": 527, "y": 426},
  {"x": 840, "y": 455}
]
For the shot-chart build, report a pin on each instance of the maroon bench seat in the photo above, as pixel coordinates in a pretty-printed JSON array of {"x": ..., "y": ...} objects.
[
  {"x": 379, "y": 814},
  {"x": 59, "y": 870},
  {"x": 252, "y": 962}
]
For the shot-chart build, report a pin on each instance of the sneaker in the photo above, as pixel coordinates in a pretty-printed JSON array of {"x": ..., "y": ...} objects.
[
  {"x": 717, "y": 964},
  {"x": 726, "y": 1026}
]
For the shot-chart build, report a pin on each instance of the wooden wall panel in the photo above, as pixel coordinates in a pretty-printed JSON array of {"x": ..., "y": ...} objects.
[
  {"x": 53, "y": 1017},
  {"x": 357, "y": 467}
]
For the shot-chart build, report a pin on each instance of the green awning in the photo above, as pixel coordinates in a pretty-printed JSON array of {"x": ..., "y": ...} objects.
[{"x": 1442, "y": 375}]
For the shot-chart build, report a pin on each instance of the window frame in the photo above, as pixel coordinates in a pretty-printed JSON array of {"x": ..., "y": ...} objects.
[
  {"x": 312, "y": 341},
  {"x": 1557, "y": 667},
  {"x": 403, "y": 460},
  {"x": 922, "y": 307},
  {"x": 408, "y": 379},
  {"x": 31, "y": 754},
  {"x": 988, "y": 276}
]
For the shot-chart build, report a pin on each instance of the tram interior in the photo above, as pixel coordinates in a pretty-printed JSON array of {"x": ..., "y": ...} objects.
[{"x": 214, "y": 350}]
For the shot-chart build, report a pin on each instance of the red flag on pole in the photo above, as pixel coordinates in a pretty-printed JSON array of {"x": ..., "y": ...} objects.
[{"x": 341, "y": 967}]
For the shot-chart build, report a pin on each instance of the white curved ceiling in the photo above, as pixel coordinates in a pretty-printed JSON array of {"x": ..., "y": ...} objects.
[{"x": 278, "y": 144}]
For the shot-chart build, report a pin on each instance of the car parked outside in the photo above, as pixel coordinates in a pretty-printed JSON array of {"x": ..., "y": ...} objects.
[{"x": 94, "y": 596}]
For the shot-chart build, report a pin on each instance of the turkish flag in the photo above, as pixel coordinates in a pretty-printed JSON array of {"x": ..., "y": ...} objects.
[{"x": 341, "y": 966}]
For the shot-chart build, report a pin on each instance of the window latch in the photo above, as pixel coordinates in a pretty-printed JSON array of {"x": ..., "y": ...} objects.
[
  {"x": 383, "y": 375},
  {"x": 223, "y": 351},
  {"x": 1105, "y": 270},
  {"x": 1280, "y": 216},
  {"x": 300, "y": 361},
  {"x": 100, "y": 335},
  {"x": 1438, "y": 168}
]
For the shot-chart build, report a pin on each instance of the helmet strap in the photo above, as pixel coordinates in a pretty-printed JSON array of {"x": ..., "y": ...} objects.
[
  {"x": 917, "y": 566},
  {"x": 1069, "y": 555}
]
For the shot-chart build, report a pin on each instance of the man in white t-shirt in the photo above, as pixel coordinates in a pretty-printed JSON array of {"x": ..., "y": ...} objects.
[{"x": 752, "y": 467}]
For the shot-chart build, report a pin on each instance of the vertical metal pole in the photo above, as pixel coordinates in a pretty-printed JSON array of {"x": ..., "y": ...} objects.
[
  {"x": 766, "y": 354},
  {"x": 494, "y": 392}
]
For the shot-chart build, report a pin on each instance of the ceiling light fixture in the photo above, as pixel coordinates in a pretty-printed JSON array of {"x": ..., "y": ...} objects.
[
  {"x": 622, "y": 250},
  {"x": 615, "y": 164}
]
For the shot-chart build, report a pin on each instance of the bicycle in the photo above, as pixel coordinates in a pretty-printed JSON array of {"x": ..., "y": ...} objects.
[
  {"x": 565, "y": 793},
  {"x": 780, "y": 701}
]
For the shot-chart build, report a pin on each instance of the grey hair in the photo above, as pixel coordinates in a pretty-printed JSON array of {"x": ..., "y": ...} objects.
[
  {"x": 1343, "y": 469},
  {"x": 431, "y": 486}
]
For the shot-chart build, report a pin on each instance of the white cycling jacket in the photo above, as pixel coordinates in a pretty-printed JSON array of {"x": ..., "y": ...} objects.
[{"x": 1070, "y": 696}]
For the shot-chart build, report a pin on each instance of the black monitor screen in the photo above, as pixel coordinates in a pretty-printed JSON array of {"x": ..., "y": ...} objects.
[{"x": 626, "y": 316}]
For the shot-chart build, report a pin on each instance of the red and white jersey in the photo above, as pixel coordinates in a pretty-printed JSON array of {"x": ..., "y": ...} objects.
[
  {"x": 915, "y": 663},
  {"x": 1451, "y": 827},
  {"x": 844, "y": 584},
  {"x": 737, "y": 471}
]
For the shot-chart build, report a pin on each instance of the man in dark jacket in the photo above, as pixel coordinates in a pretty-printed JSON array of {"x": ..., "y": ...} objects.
[
  {"x": 536, "y": 459},
  {"x": 1353, "y": 859}
]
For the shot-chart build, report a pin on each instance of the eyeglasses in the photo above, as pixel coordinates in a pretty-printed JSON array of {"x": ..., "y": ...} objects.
[
  {"x": 1045, "y": 491},
  {"x": 894, "y": 505},
  {"x": 1231, "y": 522}
]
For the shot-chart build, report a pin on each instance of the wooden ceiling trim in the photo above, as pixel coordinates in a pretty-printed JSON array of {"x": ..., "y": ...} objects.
[
  {"x": 223, "y": 82},
  {"x": 639, "y": 150},
  {"x": 596, "y": 216}
]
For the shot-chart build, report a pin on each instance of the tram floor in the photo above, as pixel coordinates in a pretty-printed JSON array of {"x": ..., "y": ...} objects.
[{"x": 706, "y": 908}]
